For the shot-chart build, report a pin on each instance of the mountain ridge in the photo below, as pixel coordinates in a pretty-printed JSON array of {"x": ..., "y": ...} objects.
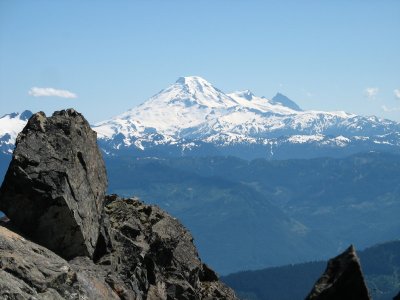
[{"x": 191, "y": 117}]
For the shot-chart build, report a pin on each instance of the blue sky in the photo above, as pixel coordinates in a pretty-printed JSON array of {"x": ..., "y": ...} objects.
[{"x": 113, "y": 55}]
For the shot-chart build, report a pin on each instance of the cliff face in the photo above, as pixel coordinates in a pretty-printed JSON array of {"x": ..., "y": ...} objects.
[
  {"x": 73, "y": 242},
  {"x": 342, "y": 279}
]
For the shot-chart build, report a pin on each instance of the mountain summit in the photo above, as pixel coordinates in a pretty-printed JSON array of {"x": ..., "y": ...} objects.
[
  {"x": 193, "y": 108},
  {"x": 285, "y": 101},
  {"x": 194, "y": 90}
]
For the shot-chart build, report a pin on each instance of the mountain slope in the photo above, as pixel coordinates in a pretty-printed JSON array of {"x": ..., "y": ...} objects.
[
  {"x": 274, "y": 212},
  {"x": 192, "y": 117},
  {"x": 235, "y": 227}
]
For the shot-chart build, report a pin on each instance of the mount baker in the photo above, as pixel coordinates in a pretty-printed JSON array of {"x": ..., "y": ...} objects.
[{"x": 192, "y": 117}]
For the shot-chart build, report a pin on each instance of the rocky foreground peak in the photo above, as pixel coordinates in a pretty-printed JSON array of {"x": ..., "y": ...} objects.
[
  {"x": 67, "y": 240},
  {"x": 342, "y": 279},
  {"x": 55, "y": 185}
]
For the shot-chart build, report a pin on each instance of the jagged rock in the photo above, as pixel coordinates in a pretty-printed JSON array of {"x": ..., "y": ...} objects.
[
  {"x": 342, "y": 279},
  {"x": 154, "y": 253},
  {"x": 397, "y": 297},
  {"x": 54, "y": 189},
  {"x": 146, "y": 254}
]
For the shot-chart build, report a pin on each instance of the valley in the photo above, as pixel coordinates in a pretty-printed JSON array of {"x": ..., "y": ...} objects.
[{"x": 267, "y": 213}]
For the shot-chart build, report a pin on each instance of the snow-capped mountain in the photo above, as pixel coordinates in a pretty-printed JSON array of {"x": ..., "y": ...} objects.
[
  {"x": 10, "y": 126},
  {"x": 192, "y": 117}
]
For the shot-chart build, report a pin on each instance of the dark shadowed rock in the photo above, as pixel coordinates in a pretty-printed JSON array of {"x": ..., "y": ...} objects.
[
  {"x": 54, "y": 189},
  {"x": 342, "y": 279},
  {"x": 397, "y": 297},
  {"x": 154, "y": 254}
]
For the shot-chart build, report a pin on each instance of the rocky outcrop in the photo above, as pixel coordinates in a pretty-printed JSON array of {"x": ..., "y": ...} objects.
[
  {"x": 147, "y": 254},
  {"x": 397, "y": 297},
  {"x": 54, "y": 188},
  {"x": 342, "y": 279},
  {"x": 162, "y": 259},
  {"x": 107, "y": 247}
]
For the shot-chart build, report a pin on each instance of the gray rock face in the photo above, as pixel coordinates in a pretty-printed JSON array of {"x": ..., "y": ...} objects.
[
  {"x": 54, "y": 189},
  {"x": 342, "y": 279},
  {"x": 143, "y": 254},
  {"x": 154, "y": 254}
]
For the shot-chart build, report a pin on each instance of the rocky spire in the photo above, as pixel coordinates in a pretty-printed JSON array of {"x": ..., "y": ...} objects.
[
  {"x": 54, "y": 189},
  {"x": 342, "y": 279}
]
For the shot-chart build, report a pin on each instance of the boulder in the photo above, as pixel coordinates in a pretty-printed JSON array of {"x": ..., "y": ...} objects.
[
  {"x": 342, "y": 279},
  {"x": 53, "y": 191}
]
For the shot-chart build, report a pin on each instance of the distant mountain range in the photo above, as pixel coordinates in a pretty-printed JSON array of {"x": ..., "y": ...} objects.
[{"x": 193, "y": 118}]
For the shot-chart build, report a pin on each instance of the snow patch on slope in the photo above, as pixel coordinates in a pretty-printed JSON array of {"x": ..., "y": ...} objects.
[
  {"x": 10, "y": 126},
  {"x": 13, "y": 123}
]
